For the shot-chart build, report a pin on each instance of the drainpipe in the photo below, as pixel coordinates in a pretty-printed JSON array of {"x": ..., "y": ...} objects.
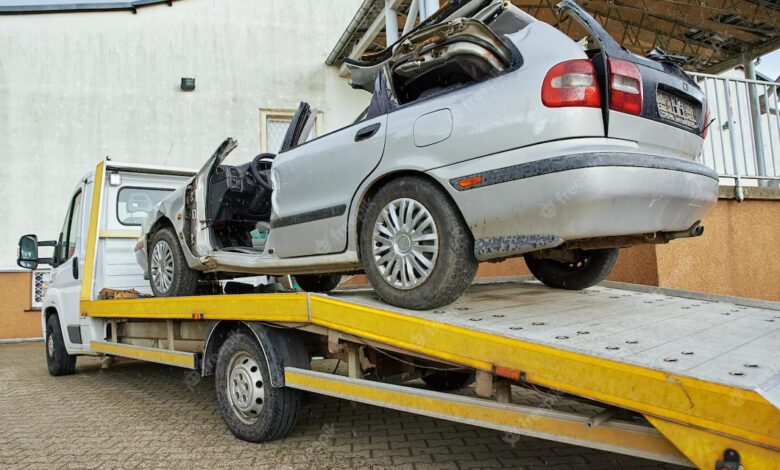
[
  {"x": 335, "y": 54},
  {"x": 755, "y": 118},
  {"x": 391, "y": 23}
]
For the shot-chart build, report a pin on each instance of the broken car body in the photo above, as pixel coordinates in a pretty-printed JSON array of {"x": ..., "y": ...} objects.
[{"x": 489, "y": 135}]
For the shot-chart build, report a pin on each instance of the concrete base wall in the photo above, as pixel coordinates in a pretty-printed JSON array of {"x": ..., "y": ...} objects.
[{"x": 17, "y": 320}]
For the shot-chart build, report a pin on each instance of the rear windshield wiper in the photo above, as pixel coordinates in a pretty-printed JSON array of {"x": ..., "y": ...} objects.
[{"x": 659, "y": 55}]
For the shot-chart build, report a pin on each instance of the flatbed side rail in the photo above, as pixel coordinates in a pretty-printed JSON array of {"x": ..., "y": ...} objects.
[{"x": 615, "y": 436}]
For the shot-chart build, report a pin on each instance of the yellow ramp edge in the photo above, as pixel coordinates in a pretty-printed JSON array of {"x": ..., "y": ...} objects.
[
  {"x": 675, "y": 398},
  {"x": 705, "y": 448}
]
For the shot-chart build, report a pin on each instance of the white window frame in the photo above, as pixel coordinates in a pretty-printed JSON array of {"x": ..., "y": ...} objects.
[{"x": 269, "y": 113}]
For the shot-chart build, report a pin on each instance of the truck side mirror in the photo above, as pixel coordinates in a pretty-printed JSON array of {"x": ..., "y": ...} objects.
[
  {"x": 27, "y": 256},
  {"x": 28, "y": 252}
]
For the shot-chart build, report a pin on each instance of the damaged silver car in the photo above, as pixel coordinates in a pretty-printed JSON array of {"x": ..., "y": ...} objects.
[{"x": 489, "y": 135}]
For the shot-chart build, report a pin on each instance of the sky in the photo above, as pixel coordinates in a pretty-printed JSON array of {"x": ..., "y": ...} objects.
[{"x": 770, "y": 65}]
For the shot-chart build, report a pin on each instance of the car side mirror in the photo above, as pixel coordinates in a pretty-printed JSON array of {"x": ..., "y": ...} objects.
[{"x": 27, "y": 255}]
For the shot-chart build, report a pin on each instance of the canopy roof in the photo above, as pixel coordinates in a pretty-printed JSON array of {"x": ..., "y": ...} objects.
[{"x": 715, "y": 34}]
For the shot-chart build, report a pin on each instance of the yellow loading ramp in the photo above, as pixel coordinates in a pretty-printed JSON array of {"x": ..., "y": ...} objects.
[{"x": 703, "y": 371}]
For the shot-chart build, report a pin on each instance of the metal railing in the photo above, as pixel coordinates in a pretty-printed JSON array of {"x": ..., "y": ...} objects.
[{"x": 743, "y": 140}]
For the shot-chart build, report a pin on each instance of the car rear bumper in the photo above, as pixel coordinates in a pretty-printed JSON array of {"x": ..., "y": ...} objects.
[{"x": 540, "y": 204}]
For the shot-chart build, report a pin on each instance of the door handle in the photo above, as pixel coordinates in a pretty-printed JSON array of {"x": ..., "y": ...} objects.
[
  {"x": 367, "y": 132},
  {"x": 75, "y": 267}
]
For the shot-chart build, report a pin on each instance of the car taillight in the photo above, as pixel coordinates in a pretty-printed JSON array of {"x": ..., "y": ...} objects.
[
  {"x": 625, "y": 87},
  {"x": 571, "y": 83},
  {"x": 706, "y": 119}
]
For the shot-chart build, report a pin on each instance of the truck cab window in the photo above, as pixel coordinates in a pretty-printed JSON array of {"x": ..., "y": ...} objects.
[
  {"x": 133, "y": 204},
  {"x": 67, "y": 242}
]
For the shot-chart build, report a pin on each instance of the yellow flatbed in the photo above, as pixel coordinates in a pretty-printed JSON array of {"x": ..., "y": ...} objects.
[{"x": 704, "y": 372}]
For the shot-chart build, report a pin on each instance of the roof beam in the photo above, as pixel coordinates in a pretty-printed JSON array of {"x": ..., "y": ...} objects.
[
  {"x": 368, "y": 37},
  {"x": 664, "y": 15}
]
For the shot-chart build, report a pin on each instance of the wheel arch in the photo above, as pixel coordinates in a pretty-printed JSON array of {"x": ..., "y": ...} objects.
[
  {"x": 45, "y": 314},
  {"x": 374, "y": 187},
  {"x": 281, "y": 347}
]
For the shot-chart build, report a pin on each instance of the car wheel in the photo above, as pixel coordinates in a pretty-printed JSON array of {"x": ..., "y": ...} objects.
[
  {"x": 416, "y": 249},
  {"x": 446, "y": 380},
  {"x": 318, "y": 282},
  {"x": 169, "y": 274},
  {"x": 253, "y": 410},
  {"x": 589, "y": 268},
  {"x": 58, "y": 360}
]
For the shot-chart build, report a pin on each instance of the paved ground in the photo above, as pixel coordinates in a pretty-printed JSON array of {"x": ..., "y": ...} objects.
[{"x": 137, "y": 415}]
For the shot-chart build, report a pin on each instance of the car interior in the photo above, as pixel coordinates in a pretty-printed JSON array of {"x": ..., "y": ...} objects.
[
  {"x": 238, "y": 198},
  {"x": 464, "y": 44}
]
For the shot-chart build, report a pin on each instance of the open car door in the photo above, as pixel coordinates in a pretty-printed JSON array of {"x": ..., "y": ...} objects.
[{"x": 196, "y": 198}]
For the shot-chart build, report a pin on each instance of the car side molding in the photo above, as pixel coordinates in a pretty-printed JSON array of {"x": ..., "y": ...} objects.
[{"x": 579, "y": 161}]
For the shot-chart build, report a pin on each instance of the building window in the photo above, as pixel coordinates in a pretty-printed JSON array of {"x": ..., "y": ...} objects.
[{"x": 274, "y": 124}]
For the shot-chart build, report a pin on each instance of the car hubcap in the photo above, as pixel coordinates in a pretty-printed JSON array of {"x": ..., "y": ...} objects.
[
  {"x": 405, "y": 244},
  {"x": 245, "y": 387},
  {"x": 162, "y": 266},
  {"x": 50, "y": 345}
]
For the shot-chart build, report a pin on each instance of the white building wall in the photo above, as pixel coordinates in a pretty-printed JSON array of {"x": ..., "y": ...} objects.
[{"x": 77, "y": 87}]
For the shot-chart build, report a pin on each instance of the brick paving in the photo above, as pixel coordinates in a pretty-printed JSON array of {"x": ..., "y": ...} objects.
[{"x": 137, "y": 415}]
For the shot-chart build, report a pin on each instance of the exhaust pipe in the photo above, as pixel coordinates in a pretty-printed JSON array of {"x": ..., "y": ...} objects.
[{"x": 696, "y": 230}]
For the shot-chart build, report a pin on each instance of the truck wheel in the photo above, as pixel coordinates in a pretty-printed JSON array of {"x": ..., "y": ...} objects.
[
  {"x": 169, "y": 274},
  {"x": 415, "y": 247},
  {"x": 253, "y": 410},
  {"x": 590, "y": 268},
  {"x": 318, "y": 282},
  {"x": 57, "y": 358},
  {"x": 446, "y": 380}
]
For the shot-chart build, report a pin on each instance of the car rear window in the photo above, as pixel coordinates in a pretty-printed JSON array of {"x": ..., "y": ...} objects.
[{"x": 133, "y": 204}]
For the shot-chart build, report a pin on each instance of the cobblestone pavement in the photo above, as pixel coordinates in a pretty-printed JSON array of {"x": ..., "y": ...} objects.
[{"x": 139, "y": 415}]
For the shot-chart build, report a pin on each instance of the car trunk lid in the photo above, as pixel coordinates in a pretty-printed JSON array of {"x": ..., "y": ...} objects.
[{"x": 634, "y": 87}]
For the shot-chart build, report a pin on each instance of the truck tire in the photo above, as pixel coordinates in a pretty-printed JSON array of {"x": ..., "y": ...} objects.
[
  {"x": 252, "y": 408},
  {"x": 592, "y": 267},
  {"x": 416, "y": 250},
  {"x": 446, "y": 380},
  {"x": 58, "y": 360},
  {"x": 318, "y": 282},
  {"x": 169, "y": 273}
]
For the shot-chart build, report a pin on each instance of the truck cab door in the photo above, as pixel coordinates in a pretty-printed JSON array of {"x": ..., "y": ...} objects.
[{"x": 64, "y": 291}]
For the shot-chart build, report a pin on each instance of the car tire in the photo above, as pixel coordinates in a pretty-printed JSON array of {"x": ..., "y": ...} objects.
[
  {"x": 446, "y": 380},
  {"x": 251, "y": 407},
  {"x": 592, "y": 267},
  {"x": 443, "y": 240},
  {"x": 58, "y": 360},
  {"x": 166, "y": 256},
  {"x": 321, "y": 283}
]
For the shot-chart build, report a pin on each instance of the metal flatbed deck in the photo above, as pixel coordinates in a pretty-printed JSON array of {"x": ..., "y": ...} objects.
[{"x": 705, "y": 373}]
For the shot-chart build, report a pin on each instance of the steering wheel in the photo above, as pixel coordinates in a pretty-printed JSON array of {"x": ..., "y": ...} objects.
[{"x": 257, "y": 171}]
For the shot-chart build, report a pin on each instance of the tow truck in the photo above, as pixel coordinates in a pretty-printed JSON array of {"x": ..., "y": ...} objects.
[{"x": 673, "y": 376}]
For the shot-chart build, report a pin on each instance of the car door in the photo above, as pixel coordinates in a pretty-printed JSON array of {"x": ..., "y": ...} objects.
[
  {"x": 68, "y": 269},
  {"x": 314, "y": 184}
]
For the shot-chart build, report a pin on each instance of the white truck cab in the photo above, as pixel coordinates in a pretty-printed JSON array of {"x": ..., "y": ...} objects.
[{"x": 94, "y": 249}]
